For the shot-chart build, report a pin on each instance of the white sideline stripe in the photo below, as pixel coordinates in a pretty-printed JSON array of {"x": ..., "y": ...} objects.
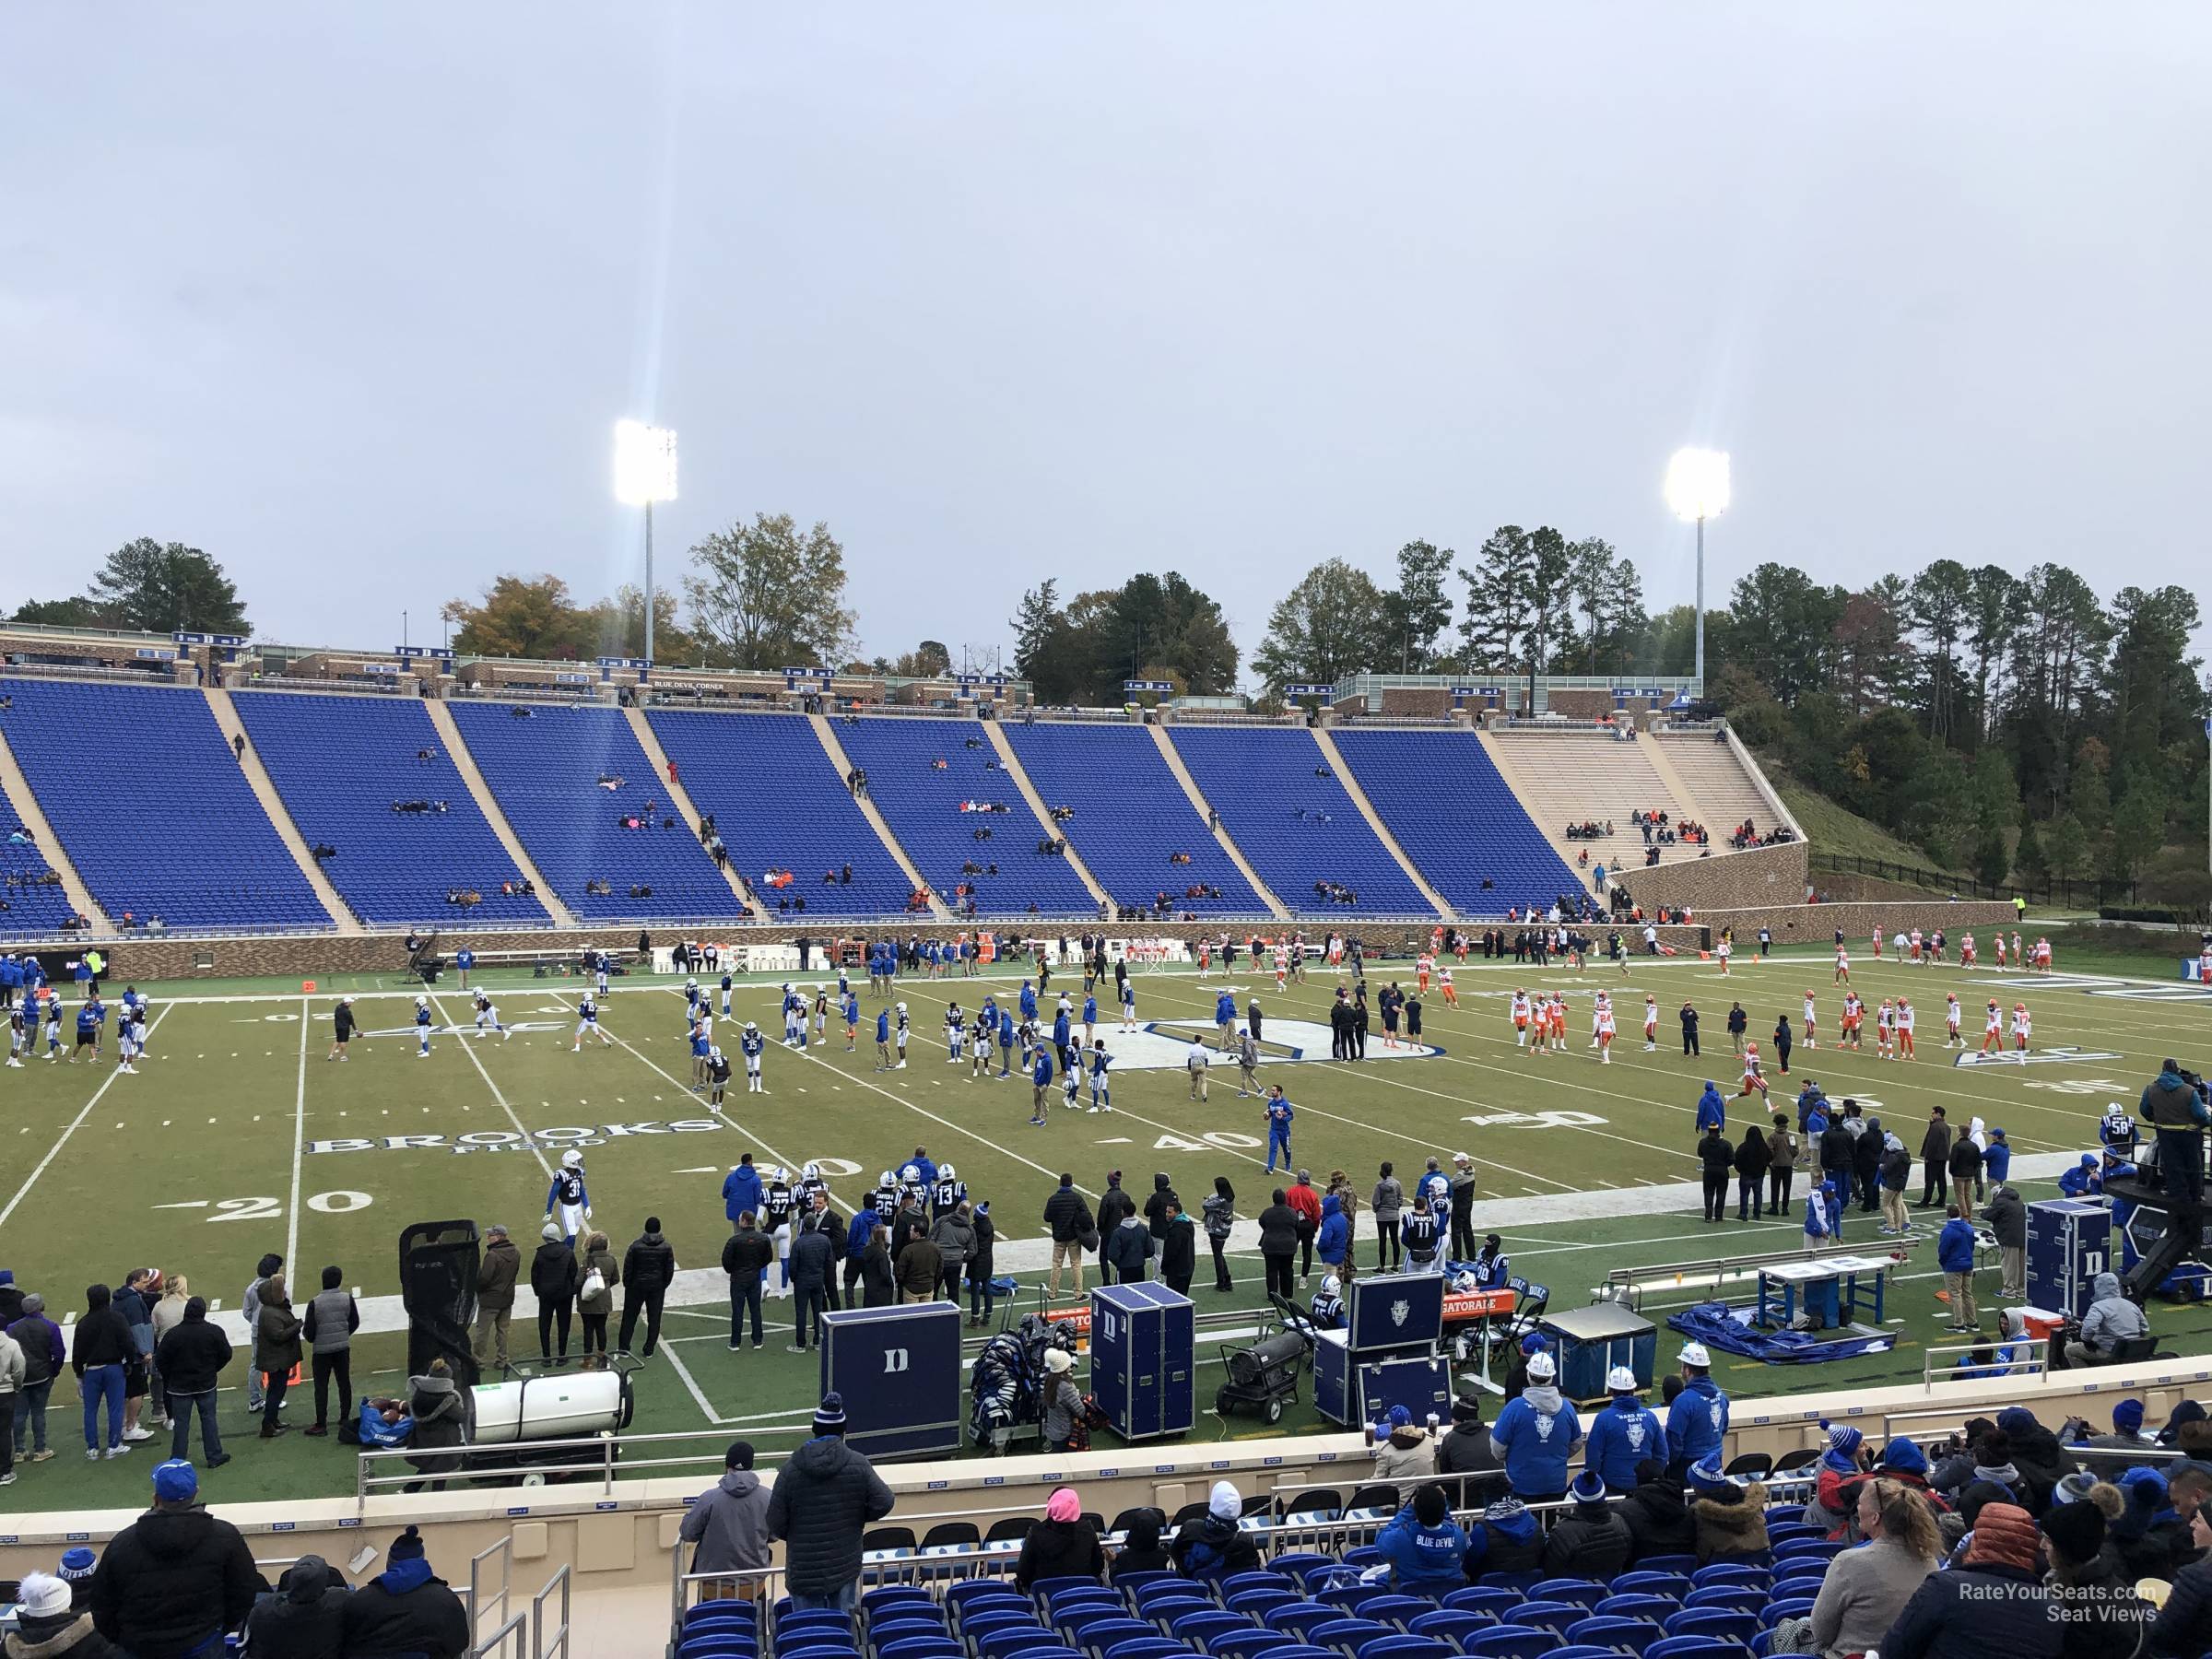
[{"x": 74, "y": 1124}]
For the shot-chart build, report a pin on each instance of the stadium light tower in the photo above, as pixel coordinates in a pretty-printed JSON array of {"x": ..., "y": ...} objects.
[
  {"x": 645, "y": 473},
  {"x": 1697, "y": 490}
]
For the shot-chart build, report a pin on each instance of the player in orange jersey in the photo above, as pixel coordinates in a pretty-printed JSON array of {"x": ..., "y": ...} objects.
[
  {"x": 1993, "y": 1032},
  {"x": 1904, "y": 1030},
  {"x": 2020, "y": 1026},
  {"x": 1843, "y": 966},
  {"x": 1650, "y": 1022},
  {"x": 1811, "y": 1041},
  {"x": 1521, "y": 1015},
  {"x": 1950, "y": 1020}
]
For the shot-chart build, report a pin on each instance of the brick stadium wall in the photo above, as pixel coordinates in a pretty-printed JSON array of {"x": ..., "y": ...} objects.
[
  {"x": 1427, "y": 703},
  {"x": 1761, "y": 875}
]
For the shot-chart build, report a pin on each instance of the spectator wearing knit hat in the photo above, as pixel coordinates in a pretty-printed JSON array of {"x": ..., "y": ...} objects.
[
  {"x": 49, "y": 1626},
  {"x": 2097, "y": 1599},
  {"x": 825, "y": 1498},
  {"x": 1730, "y": 1515},
  {"x": 405, "y": 1610},
  {"x": 1992, "y": 1603}
]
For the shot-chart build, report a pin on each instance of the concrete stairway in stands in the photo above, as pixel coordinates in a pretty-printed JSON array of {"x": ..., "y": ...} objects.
[
  {"x": 32, "y": 817},
  {"x": 1374, "y": 819},
  {"x": 449, "y": 734},
  {"x": 844, "y": 762},
  {"x": 264, "y": 791},
  {"x": 1276, "y": 907},
  {"x": 1008, "y": 759},
  {"x": 677, "y": 797}
]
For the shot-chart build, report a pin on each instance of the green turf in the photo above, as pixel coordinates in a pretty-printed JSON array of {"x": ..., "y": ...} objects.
[{"x": 220, "y": 1133}]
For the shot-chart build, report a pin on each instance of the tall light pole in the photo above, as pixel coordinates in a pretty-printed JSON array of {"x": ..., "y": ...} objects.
[
  {"x": 1697, "y": 490},
  {"x": 645, "y": 473}
]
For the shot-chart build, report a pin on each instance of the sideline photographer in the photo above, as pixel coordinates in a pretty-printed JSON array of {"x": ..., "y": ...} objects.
[{"x": 2175, "y": 1106}]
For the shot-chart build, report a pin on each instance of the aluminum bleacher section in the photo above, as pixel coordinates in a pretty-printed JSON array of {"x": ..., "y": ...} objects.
[
  {"x": 342, "y": 765},
  {"x": 546, "y": 768},
  {"x": 1295, "y": 825},
  {"x": 149, "y": 804},
  {"x": 1565, "y": 777},
  {"x": 1131, "y": 815},
  {"x": 923, "y": 805},
  {"x": 1723, "y": 793},
  {"x": 1457, "y": 818},
  {"x": 777, "y": 804}
]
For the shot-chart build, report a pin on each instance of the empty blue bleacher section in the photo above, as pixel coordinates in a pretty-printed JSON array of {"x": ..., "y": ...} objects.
[
  {"x": 150, "y": 805},
  {"x": 780, "y": 804},
  {"x": 1456, "y": 817},
  {"x": 29, "y": 902},
  {"x": 1131, "y": 815},
  {"x": 342, "y": 765},
  {"x": 1294, "y": 826},
  {"x": 545, "y": 768},
  {"x": 923, "y": 805}
]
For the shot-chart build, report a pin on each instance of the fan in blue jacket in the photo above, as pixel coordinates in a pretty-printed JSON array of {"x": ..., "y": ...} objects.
[
  {"x": 1425, "y": 1549},
  {"x": 1955, "y": 1246},
  {"x": 1696, "y": 1423},
  {"x": 1997, "y": 1159},
  {"x": 1625, "y": 1433},
  {"x": 1335, "y": 1239},
  {"x": 741, "y": 1189},
  {"x": 1713, "y": 1111}
]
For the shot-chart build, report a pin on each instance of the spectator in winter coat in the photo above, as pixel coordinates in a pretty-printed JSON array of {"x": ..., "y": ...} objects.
[
  {"x": 1696, "y": 1423},
  {"x": 2007, "y": 1218},
  {"x": 1751, "y": 1163},
  {"x": 1955, "y": 1255},
  {"x": 878, "y": 1276},
  {"x": 1062, "y": 1400},
  {"x": 1657, "y": 1514},
  {"x": 2112, "y": 1320},
  {"x": 1332, "y": 1242},
  {"x": 1305, "y": 1203},
  {"x": 1842, "y": 1464},
  {"x": 1212, "y": 1547},
  {"x": 2149, "y": 1536},
  {"x": 328, "y": 1326},
  {"x": 1536, "y": 1435},
  {"x": 1069, "y": 1218},
  {"x": 648, "y": 1269},
  {"x": 919, "y": 1268},
  {"x": 1115, "y": 1206},
  {"x": 1965, "y": 1167},
  {"x": 1781, "y": 1167},
  {"x": 1465, "y": 1450},
  {"x": 2184, "y": 1626},
  {"x": 1062, "y": 1545},
  {"x": 746, "y": 1255},
  {"x": 954, "y": 1235},
  {"x": 554, "y": 1279},
  {"x": 1156, "y": 1208},
  {"x": 979, "y": 1266},
  {"x": 813, "y": 1261},
  {"x": 275, "y": 1349},
  {"x": 44, "y": 1355},
  {"x": 2108, "y": 1618},
  {"x": 1220, "y": 1215},
  {"x": 441, "y": 1413},
  {"x": 305, "y": 1619},
  {"x": 1141, "y": 1549},
  {"x": 191, "y": 1358},
  {"x": 1935, "y": 1160},
  {"x": 1404, "y": 1450},
  {"x": 1127, "y": 1248},
  {"x": 1278, "y": 1246},
  {"x": 1505, "y": 1540},
  {"x": 1623, "y": 1434},
  {"x": 1895, "y": 1175},
  {"x": 1866, "y": 1165},
  {"x": 1718, "y": 1160},
  {"x": 729, "y": 1524},
  {"x": 1730, "y": 1515},
  {"x": 1424, "y": 1550},
  {"x": 173, "y": 1581},
  {"x": 497, "y": 1269},
  {"x": 1993, "y": 1602},
  {"x": 407, "y": 1609},
  {"x": 50, "y": 1626},
  {"x": 594, "y": 1306},
  {"x": 1178, "y": 1250},
  {"x": 1590, "y": 1541},
  {"x": 1388, "y": 1202},
  {"x": 825, "y": 1498},
  {"x": 100, "y": 1350}
]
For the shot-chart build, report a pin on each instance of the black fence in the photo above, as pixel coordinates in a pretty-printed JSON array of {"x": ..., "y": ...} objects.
[{"x": 2086, "y": 893}]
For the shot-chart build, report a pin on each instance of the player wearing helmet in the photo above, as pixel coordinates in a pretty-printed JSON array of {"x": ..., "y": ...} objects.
[
  {"x": 568, "y": 1205},
  {"x": 422, "y": 1026},
  {"x": 750, "y": 1044}
]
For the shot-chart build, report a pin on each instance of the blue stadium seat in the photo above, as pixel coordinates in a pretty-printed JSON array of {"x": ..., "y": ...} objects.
[
  {"x": 1489, "y": 1600},
  {"x": 1695, "y": 1647},
  {"x": 1258, "y": 1604},
  {"x": 1131, "y": 815},
  {"x": 1456, "y": 817},
  {"x": 1404, "y": 1647},
  {"x": 1713, "y": 1626},
  {"x": 1154, "y": 1646},
  {"x": 1735, "y": 1575},
  {"x": 1299, "y": 1618},
  {"x": 1643, "y": 1581},
  {"x": 1276, "y": 1577},
  {"x": 1510, "y": 1642},
  {"x": 1256, "y": 1643},
  {"x": 545, "y": 768},
  {"x": 1012, "y": 1615},
  {"x": 1348, "y": 1634},
  {"x": 779, "y": 805},
  {"x": 1774, "y": 1612},
  {"x": 708, "y": 1645},
  {"x": 882, "y": 1632},
  {"x": 1633, "y": 1634},
  {"x": 1295, "y": 828},
  {"x": 1583, "y": 1592},
  {"x": 1012, "y": 1640},
  {"x": 341, "y": 764},
  {"x": 886, "y": 1597},
  {"x": 1632, "y": 1606},
  {"x": 1102, "y": 1633},
  {"x": 32, "y": 899},
  {"x": 1683, "y": 1564},
  {"x": 174, "y": 831},
  {"x": 1397, "y": 1609},
  {"x": 1806, "y": 1550},
  {"x": 919, "y": 1647},
  {"x": 1294, "y": 1564},
  {"x": 1728, "y": 1598},
  {"x": 1196, "y": 1627},
  {"x": 1447, "y": 1625},
  {"x": 967, "y": 1591},
  {"x": 923, "y": 805},
  {"x": 1550, "y": 1615}
]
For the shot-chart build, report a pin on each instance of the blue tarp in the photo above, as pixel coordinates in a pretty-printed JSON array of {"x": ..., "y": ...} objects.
[{"x": 1716, "y": 1324}]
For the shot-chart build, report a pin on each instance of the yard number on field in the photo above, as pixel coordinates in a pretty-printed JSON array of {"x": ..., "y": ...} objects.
[
  {"x": 264, "y": 1209},
  {"x": 1228, "y": 1139}
]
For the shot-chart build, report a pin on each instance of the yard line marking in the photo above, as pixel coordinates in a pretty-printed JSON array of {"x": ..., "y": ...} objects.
[
  {"x": 526, "y": 1138},
  {"x": 291, "y": 1235},
  {"x": 75, "y": 1124}
]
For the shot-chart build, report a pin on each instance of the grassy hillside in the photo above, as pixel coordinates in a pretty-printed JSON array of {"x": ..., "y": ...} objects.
[{"x": 1834, "y": 829}]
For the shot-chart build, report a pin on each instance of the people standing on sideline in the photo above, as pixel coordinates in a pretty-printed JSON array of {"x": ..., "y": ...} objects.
[
  {"x": 595, "y": 1293},
  {"x": 979, "y": 1267},
  {"x": 1935, "y": 1160},
  {"x": 1219, "y": 1210},
  {"x": 1278, "y": 1246},
  {"x": 813, "y": 1260},
  {"x": 43, "y": 1357},
  {"x": 1717, "y": 1159},
  {"x": 250, "y": 1307},
  {"x": 1752, "y": 1164},
  {"x": 746, "y": 1255},
  {"x": 497, "y": 1269},
  {"x": 554, "y": 1280},
  {"x": 1690, "y": 1031},
  {"x": 825, "y": 1498},
  {"x": 878, "y": 1281},
  {"x": 2007, "y": 1218},
  {"x": 444, "y": 1415},
  {"x": 99, "y": 1348},
  {"x": 191, "y": 1358},
  {"x": 277, "y": 1350},
  {"x": 332, "y": 1318},
  {"x": 1069, "y": 1218},
  {"x": 1178, "y": 1250},
  {"x": 1306, "y": 1201},
  {"x": 1781, "y": 1167},
  {"x": 1388, "y": 1202},
  {"x": 648, "y": 1269}
]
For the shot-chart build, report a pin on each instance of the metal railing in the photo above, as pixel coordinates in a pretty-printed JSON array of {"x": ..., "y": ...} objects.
[
  {"x": 602, "y": 1456},
  {"x": 543, "y": 1646},
  {"x": 154, "y": 673},
  {"x": 496, "y": 1604},
  {"x": 2035, "y": 1364},
  {"x": 1717, "y": 1270},
  {"x": 2067, "y": 893}
]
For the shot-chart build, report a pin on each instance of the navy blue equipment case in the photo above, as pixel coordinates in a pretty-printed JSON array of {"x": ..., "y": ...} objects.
[
  {"x": 899, "y": 1373},
  {"x": 1384, "y": 1311},
  {"x": 1141, "y": 1359},
  {"x": 2069, "y": 1243}
]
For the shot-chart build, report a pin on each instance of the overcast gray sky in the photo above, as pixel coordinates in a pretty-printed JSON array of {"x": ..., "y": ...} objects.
[{"x": 350, "y": 295}]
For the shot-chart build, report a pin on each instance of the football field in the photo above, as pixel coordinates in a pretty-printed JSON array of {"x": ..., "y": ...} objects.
[{"x": 238, "y": 1137}]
